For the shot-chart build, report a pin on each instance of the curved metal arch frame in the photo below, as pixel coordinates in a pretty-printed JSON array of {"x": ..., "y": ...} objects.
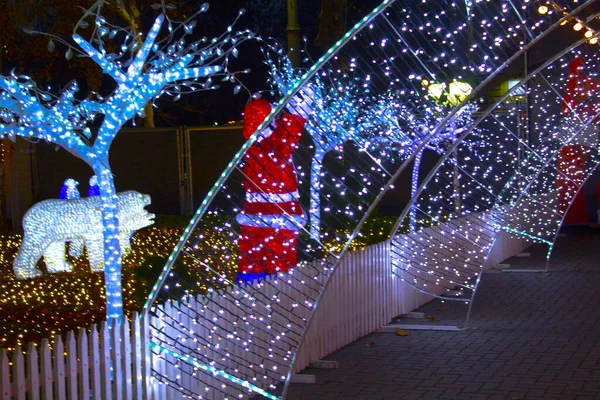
[
  {"x": 588, "y": 123},
  {"x": 491, "y": 108},
  {"x": 403, "y": 167},
  {"x": 457, "y": 143},
  {"x": 280, "y": 106},
  {"x": 239, "y": 156},
  {"x": 452, "y": 148}
]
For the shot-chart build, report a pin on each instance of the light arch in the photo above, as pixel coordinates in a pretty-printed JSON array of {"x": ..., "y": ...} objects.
[
  {"x": 514, "y": 209},
  {"x": 230, "y": 339}
]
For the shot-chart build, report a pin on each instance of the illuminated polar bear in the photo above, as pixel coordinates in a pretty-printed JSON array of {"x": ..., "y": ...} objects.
[{"x": 49, "y": 224}]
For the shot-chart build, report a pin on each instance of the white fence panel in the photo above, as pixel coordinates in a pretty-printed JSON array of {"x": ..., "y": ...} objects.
[
  {"x": 115, "y": 363},
  {"x": 99, "y": 364}
]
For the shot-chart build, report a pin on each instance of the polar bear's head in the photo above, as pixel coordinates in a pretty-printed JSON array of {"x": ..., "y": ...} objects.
[{"x": 132, "y": 215}]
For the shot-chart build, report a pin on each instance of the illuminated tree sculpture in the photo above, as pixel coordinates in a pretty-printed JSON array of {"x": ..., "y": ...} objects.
[
  {"x": 163, "y": 64},
  {"x": 337, "y": 113},
  {"x": 439, "y": 143},
  {"x": 395, "y": 131}
]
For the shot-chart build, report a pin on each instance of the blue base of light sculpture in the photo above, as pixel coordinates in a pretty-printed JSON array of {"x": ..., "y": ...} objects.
[{"x": 250, "y": 278}]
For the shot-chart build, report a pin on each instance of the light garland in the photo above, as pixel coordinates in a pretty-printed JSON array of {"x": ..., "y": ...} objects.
[{"x": 33, "y": 309}]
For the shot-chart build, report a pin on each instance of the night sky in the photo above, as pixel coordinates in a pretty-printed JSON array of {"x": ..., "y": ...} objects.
[{"x": 267, "y": 18}]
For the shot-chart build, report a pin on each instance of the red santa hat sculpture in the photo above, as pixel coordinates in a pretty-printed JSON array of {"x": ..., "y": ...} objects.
[{"x": 272, "y": 217}]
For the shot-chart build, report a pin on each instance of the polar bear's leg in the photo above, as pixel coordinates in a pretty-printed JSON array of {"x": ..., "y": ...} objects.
[
  {"x": 54, "y": 256},
  {"x": 125, "y": 240},
  {"x": 76, "y": 248},
  {"x": 95, "y": 249},
  {"x": 29, "y": 254}
]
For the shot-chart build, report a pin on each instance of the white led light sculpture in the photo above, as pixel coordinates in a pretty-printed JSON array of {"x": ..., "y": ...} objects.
[{"x": 49, "y": 224}]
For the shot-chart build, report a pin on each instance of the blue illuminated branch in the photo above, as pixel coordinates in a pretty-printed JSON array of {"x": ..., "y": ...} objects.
[
  {"x": 137, "y": 66},
  {"x": 107, "y": 66},
  {"x": 89, "y": 108},
  {"x": 188, "y": 73},
  {"x": 27, "y": 103},
  {"x": 54, "y": 122}
]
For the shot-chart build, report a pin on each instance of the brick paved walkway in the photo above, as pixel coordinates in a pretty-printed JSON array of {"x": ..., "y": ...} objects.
[{"x": 533, "y": 336}]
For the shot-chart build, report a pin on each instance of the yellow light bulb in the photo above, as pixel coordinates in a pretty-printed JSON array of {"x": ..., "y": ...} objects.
[
  {"x": 578, "y": 26},
  {"x": 543, "y": 9},
  {"x": 589, "y": 34},
  {"x": 593, "y": 40}
]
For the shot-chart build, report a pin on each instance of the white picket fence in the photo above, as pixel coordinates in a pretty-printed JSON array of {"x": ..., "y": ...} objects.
[
  {"x": 363, "y": 296},
  {"x": 98, "y": 363},
  {"x": 105, "y": 363}
]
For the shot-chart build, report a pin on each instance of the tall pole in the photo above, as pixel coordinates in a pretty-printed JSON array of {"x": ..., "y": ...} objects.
[{"x": 293, "y": 33}]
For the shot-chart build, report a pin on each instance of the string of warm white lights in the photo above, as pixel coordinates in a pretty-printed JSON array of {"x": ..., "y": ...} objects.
[{"x": 578, "y": 23}]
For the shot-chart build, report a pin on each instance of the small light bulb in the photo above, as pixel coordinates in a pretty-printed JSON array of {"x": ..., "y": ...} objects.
[
  {"x": 578, "y": 26},
  {"x": 593, "y": 40},
  {"x": 589, "y": 34},
  {"x": 543, "y": 9}
]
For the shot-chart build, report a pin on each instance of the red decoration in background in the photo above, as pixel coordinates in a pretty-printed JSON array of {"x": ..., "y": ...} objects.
[
  {"x": 271, "y": 216},
  {"x": 572, "y": 161},
  {"x": 580, "y": 89}
]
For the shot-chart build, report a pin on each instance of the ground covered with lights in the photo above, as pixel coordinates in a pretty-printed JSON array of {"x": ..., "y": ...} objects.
[{"x": 33, "y": 309}]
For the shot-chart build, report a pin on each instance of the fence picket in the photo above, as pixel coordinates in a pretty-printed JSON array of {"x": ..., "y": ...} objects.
[
  {"x": 19, "y": 374},
  {"x": 46, "y": 368},
  {"x": 148, "y": 381},
  {"x": 170, "y": 360},
  {"x": 136, "y": 347},
  {"x": 196, "y": 325},
  {"x": 161, "y": 360},
  {"x": 71, "y": 366},
  {"x": 95, "y": 369},
  {"x": 117, "y": 370},
  {"x": 105, "y": 377},
  {"x": 84, "y": 365},
  {"x": 184, "y": 368},
  {"x": 58, "y": 354},
  {"x": 4, "y": 376},
  {"x": 33, "y": 373},
  {"x": 126, "y": 356}
]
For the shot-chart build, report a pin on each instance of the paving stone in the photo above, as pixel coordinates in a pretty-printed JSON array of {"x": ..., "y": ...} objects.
[{"x": 531, "y": 336}]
